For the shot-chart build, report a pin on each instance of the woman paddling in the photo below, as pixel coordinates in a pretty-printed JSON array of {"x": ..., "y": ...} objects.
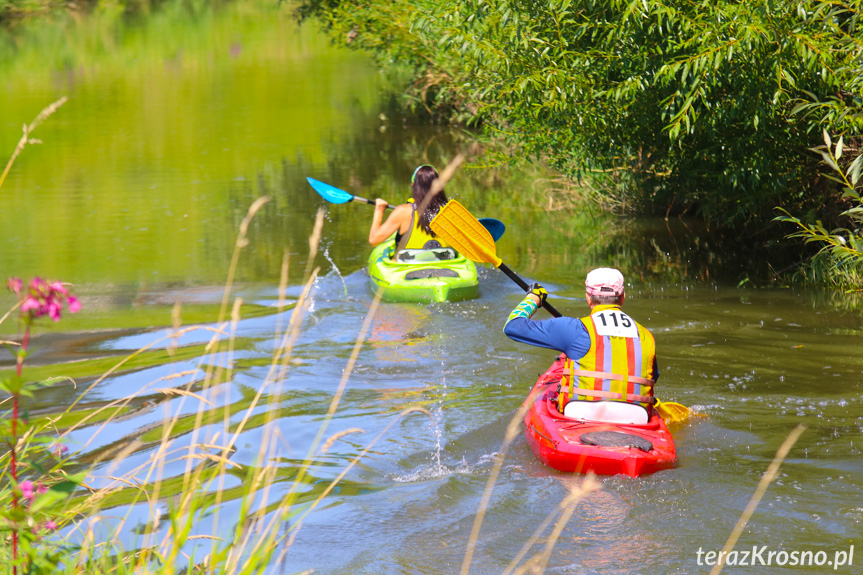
[{"x": 410, "y": 226}]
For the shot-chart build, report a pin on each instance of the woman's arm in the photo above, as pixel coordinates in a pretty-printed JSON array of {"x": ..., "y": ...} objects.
[{"x": 397, "y": 221}]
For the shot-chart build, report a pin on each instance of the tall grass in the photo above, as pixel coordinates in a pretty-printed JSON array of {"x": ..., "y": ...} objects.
[
  {"x": 26, "y": 136},
  {"x": 766, "y": 479},
  {"x": 187, "y": 528},
  {"x": 194, "y": 534}
]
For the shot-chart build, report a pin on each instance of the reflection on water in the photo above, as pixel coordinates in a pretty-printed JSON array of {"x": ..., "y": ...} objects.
[{"x": 137, "y": 193}]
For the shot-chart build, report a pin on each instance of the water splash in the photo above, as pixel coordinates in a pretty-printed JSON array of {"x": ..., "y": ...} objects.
[
  {"x": 439, "y": 411},
  {"x": 433, "y": 472},
  {"x": 335, "y": 268},
  {"x": 438, "y": 435}
]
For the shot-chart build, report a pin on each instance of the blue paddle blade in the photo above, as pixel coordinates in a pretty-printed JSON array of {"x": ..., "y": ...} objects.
[
  {"x": 330, "y": 193},
  {"x": 494, "y": 227}
]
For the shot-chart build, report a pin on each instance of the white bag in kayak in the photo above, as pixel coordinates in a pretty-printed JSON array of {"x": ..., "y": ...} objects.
[{"x": 607, "y": 412}]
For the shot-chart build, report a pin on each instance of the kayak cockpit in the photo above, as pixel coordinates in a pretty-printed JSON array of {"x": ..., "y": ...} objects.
[{"x": 606, "y": 412}]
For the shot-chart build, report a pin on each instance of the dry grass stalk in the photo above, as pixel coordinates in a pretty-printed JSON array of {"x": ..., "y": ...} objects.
[
  {"x": 7, "y": 314},
  {"x": 193, "y": 477},
  {"x": 242, "y": 241},
  {"x": 176, "y": 324},
  {"x": 176, "y": 391},
  {"x": 226, "y": 419},
  {"x": 766, "y": 480},
  {"x": 291, "y": 337},
  {"x": 567, "y": 507},
  {"x": 511, "y": 432},
  {"x": 326, "y": 446},
  {"x": 282, "y": 293},
  {"x": 179, "y": 375},
  {"x": 315, "y": 239},
  {"x": 540, "y": 529},
  {"x": 294, "y": 529},
  {"x": 265, "y": 478},
  {"x": 28, "y": 129},
  {"x": 206, "y": 460},
  {"x": 336, "y": 398},
  {"x": 120, "y": 364},
  {"x": 260, "y": 484},
  {"x": 189, "y": 502},
  {"x": 122, "y": 454}
]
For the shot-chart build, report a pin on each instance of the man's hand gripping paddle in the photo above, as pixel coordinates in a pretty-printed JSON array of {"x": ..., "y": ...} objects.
[{"x": 462, "y": 231}]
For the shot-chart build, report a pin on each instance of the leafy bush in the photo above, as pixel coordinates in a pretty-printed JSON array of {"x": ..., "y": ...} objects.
[
  {"x": 839, "y": 261},
  {"x": 705, "y": 106}
]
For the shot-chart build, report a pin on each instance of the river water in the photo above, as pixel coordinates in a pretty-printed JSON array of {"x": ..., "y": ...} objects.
[{"x": 174, "y": 126}]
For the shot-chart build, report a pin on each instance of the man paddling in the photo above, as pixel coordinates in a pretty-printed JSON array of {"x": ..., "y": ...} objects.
[{"x": 609, "y": 356}]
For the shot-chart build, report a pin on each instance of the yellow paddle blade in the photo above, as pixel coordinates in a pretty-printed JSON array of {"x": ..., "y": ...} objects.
[
  {"x": 464, "y": 232},
  {"x": 672, "y": 412}
]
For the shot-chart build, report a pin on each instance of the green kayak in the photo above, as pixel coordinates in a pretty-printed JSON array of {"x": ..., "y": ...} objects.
[{"x": 426, "y": 276}]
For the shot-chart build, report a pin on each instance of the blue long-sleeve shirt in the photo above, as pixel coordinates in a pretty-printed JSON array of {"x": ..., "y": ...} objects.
[{"x": 566, "y": 334}]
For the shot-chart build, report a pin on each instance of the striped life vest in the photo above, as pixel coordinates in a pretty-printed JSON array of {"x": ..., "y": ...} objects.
[
  {"x": 619, "y": 364},
  {"x": 418, "y": 239}
]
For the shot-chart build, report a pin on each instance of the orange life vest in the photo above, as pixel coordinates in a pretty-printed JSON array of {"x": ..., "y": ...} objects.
[{"x": 619, "y": 364}]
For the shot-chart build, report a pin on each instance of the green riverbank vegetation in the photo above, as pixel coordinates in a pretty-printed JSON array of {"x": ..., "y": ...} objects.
[
  {"x": 12, "y": 11},
  {"x": 669, "y": 108}
]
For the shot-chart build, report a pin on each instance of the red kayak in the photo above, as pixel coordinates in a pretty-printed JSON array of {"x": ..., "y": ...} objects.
[{"x": 580, "y": 445}]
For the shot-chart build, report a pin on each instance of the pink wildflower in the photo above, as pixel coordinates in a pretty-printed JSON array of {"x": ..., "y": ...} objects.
[
  {"x": 74, "y": 304},
  {"x": 40, "y": 489},
  {"x": 27, "y": 490},
  {"x": 59, "y": 288},
  {"x": 50, "y": 525},
  {"x": 54, "y": 308},
  {"x": 15, "y": 285},
  {"x": 38, "y": 284},
  {"x": 44, "y": 298}
]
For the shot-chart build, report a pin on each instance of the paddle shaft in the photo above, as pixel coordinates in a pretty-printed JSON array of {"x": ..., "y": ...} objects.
[
  {"x": 371, "y": 202},
  {"x": 523, "y": 285}
]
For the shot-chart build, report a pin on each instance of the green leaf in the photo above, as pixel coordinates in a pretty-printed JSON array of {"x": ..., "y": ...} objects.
[
  {"x": 853, "y": 172},
  {"x": 47, "y": 499},
  {"x": 12, "y": 385},
  {"x": 66, "y": 486}
]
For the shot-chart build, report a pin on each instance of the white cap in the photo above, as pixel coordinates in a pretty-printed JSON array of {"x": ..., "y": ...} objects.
[{"x": 604, "y": 281}]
